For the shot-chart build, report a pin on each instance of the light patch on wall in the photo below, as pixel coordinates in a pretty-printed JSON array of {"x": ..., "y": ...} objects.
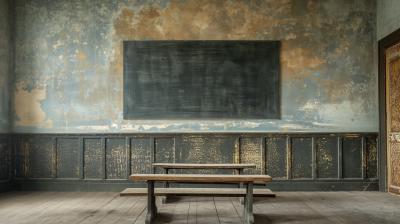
[
  {"x": 298, "y": 62},
  {"x": 28, "y": 108}
]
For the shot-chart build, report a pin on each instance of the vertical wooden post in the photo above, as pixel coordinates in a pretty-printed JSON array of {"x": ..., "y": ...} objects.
[
  {"x": 128, "y": 157},
  {"x": 81, "y": 158},
  {"x": 340, "y": 157},
  {"x": 103, "y": 163},
  {"x": 314, "y": 158},
  {"x": 289, "y": 157},
  {"x": 364, "y": 157},
  {"x": 152, "y": 155},
  {"x": 54, "y": 174}
]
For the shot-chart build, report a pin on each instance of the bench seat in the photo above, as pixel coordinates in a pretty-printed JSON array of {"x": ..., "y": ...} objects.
[
  {"x": 259, "y": 183},
  {"x": 198, "y": 192}
]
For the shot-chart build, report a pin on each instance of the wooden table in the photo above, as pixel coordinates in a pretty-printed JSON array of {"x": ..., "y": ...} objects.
[
  {"x": 248, "y": 179},
  {"x": 167, "y": 166}
]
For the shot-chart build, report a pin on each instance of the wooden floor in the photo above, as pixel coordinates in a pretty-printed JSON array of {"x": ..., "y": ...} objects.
[{"x": 287, "y": 207}]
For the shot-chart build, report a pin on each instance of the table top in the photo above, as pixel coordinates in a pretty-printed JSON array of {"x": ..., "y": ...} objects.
[
  {"x": 202, "y": 166},
  {"x": 200, "y": 177}
]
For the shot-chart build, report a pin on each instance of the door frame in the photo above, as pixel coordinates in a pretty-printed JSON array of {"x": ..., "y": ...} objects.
[{"x": 383, "y": 44}]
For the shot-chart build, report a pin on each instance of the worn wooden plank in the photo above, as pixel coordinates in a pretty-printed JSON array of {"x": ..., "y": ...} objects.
[
  {"x": 314, "y": 202},
  {"x": 204, "y": 192},
  {"x": 98, "y": 215},
  {"x": 251, "y": 152},
  {"x": 267, "y": 208},
  {"x": 206, "y": 211},
  {"x": 226, "y": 211},
  {"x": 21, "y": 201},
  {"x": 115, "y": 158},
  {"x": 202, "y": 166},
  {"x": 164, "y": 151},
  {"x": 352, "y": 157},
  {"x": 200, "y": 177},
  {"x": 208, "y": 150},
  {"x": 339, "y": 205},
  {"x": 92, "y": 151},
  {"x": 302, "y": 158},
  {"x": 73, "y": 212},
  {"x": 61, "y": 208},
  {"x": 276, "y": 157},
  {"x": 34, "y": 210},
  {"x": 327, "y": 158},
  {"x": 133, "y": 213},
  {"x": 68, "y": 158},
  {"x": 181, "y": 211},
  {"x": 90, "y": 208}
]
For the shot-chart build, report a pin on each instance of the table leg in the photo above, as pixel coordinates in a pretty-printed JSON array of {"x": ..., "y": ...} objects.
[
  {"x": 241, "y": 199},
  {"x": 166, "y": 185},
  {"x": 248, "y": 204},
  {"x": 151, "y": 202}
]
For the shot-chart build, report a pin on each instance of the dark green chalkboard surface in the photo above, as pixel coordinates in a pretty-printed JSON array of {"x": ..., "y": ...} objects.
[{"x": 201, "y": 80}]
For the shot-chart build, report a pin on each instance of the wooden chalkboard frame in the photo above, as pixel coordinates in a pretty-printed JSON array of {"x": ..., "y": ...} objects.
[{"x": 201, "y": 80}]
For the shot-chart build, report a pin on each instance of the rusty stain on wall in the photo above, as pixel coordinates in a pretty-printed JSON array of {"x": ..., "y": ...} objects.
[{"x": 72, "y": 51}]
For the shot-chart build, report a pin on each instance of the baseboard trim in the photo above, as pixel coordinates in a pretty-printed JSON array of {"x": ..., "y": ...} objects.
[
  {"x": 6, "y": 187},
  {"x": 274, "y": 186}
]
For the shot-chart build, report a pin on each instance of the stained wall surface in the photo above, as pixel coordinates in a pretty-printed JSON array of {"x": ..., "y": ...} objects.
[
  {"x": 68, "y": 61},
  {"x": 388, "y": 17},
  {"x": 5, "y": 66}
]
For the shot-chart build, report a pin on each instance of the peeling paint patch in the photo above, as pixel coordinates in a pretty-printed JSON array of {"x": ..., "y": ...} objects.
[{"x": 28, "y": 108}]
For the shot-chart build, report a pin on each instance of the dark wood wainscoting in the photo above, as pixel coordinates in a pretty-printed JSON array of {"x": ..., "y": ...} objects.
[
  {"x": 5, "y": 163},
  {"x": 308, "y": 161}
]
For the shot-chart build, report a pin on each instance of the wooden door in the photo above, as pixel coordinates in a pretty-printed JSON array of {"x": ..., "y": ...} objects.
[{"x": 393, "y": 117}]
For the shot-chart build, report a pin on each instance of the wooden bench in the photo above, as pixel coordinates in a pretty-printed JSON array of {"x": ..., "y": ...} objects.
[
  {"x": 248, "y": 179},
  {"x": 238, "y": 167}
]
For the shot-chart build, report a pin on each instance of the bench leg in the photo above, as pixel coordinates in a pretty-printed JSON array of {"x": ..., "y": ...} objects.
[
  {"x": 151, "y": 202},
  {"x": 166, "y": 185},
  {"x": 241, "y": 199},
  {"x": 248, "y": 204}
]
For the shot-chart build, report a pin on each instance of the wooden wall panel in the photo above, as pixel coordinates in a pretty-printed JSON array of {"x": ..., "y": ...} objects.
[
  {"x": 116, "y": 158},
  {"x": 301, "y": 157},
  {"x": 164, "y": 152},
  {"x": 40, "y": 158},
  {"x": 327, "y": 158},
  {"x": 251, "y": 151},
  {"x": 140, "y": 156},
  {"x": 68, "y": 158},
  {"x": 92, "y": 150},
  {"x": 207, "y": 150},
  {"x": 5, "y": 158},
  {"x": 372, "y": 157},
  {"x": 352, "y": 157},
  {"x": 276, "y": 157},
  {"x": 97, "y": 159},
  {"x": 20, "y": 155}
]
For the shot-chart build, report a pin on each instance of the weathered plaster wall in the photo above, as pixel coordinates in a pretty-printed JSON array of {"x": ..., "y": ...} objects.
[
  {"x": 388, "y": 17},
  {"x": 68, "y": 67},
  {"x": 5, "y": 66}
]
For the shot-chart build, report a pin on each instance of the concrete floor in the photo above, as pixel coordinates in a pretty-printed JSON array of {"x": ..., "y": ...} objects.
[{"x": 287, "y": 207}]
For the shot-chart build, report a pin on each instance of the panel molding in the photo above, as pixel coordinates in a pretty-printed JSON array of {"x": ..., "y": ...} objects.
[{"x": 226, "y": 146}]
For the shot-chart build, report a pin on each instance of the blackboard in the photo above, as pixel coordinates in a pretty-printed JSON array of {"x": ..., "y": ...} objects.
[{"x": 201, "y": 80}]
